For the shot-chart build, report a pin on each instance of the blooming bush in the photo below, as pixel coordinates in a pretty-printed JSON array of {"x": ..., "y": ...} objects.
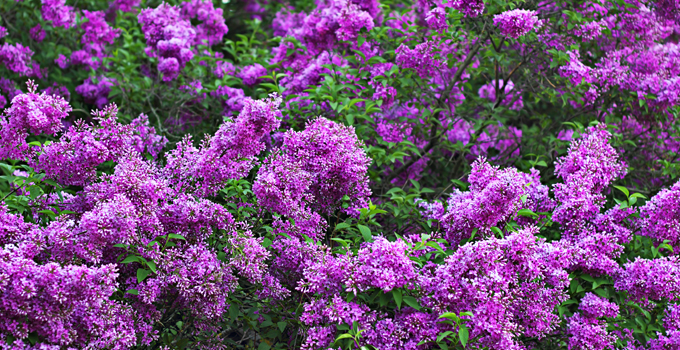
[{"x": 339, "y": 174}]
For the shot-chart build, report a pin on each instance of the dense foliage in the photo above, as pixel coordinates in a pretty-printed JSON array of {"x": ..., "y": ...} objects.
[{"x": 339, "y": 174}]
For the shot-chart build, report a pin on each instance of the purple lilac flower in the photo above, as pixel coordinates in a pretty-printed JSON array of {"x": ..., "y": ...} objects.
[
  {"x": 169, "y": 36},
  {"x": 512, "y": 99},
  {"x": 589, "y": 333},
  {"x": 82, "y": 57},
  {"x": 528, "y": 272},
  {"x": 230, "y": 153},
  {"x": 383, "y": 264},
  {"x": 145, "y": 138},
  {"x": 595, "y": 307},
  {"x": 470, "y": 8},
  {"x": 16, "y": 58},
  {"x": 314, "y": 169},
  {"x": 125, "y": 5},
  {"x": 58, "y": 90},
  {"x": 494, "y": 197},
  {"x": 57, "y": 12},
  {"x": 224, "y": 68},
  {"x": 96, "y": 93},
  {"x": 351, "y": 20},
  {"x": 251, "y": 74},
  {"x": 590, "y": 165},
  {"x": 671, "y": 323},
  {"x": 651, "y": 279},
  {"x": 73, "y": 160},
  {"x": 436, "y": 19},
  {"x": 421, "y": 58},
  {"x": 37, "y": 33},
  {"x": 97, "y": 31},
  {"x": 660, "y": 217},
  {"x": 33, "y": 113},
  {"x": 212, "y": 29},
  {"x": 233, "y": 98},
  {"x": 516, "y": 23}
]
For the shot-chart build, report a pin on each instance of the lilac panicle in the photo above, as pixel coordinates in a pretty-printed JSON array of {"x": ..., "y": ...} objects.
[
  {"x": 660, "y": 216},
  {"x": 516, "y": 23},
  {"x": 313, "y": 170},
  {"x": 30, "y": 112},
  {"x": 230, "y": 153}
]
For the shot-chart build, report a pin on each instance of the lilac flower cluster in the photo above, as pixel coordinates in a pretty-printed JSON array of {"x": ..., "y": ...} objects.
[
  {"x": 660, "y": 217},
  {"x": 30, "y": 113},
  {"x": 510, "y": 285},
  {"x": 63, "y": 304},
  {"x": 16, "y": 58},
  {"x": 313, "y": 170},
  {"x": 654, "y": 279},
  {"x": 95, "y": 91},
  {"x": 170, "y": 35},
  {"x": 517, "y": 22},
  {"x": 509, "y": 97},
  {"x": 58, "y": 13},
  {"x": 591, "y": 165},
  {"x": 494, "y": 198},
  {"x": 230, "y": 153},
  {"x": 97, "y": 32},
  {"x": 421, "y": 58}
]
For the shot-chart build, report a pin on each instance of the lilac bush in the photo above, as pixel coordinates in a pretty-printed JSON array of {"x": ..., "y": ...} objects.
[{"x": 339, "y": 174}]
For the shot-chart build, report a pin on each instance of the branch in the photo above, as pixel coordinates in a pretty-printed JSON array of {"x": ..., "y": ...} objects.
[{"x": 434, "y": 138}]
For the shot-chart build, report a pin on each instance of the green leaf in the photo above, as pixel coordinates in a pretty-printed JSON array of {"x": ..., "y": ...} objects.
[
  {"x": 141, "y": 274},
  {"x": 435, "y": 245},
  {"x": 464, "y": 335},
  {"x": 341, "y": 226},
  {"x": 450, "y": 316},
  {"x": 638, "y": 195},
  {"x": 360, "y": 41},
  {"x": 281, "y": 325},
  {"x": 412, "y": 302},
  {"x": 130, "y": 259},
  {"x": 526, "y": 212},
  {"x": 624, "y": 190},
  {"x": 344, "y": 336},
  {"x": 233, "y": 312},
  {"x": 441, "y": 336},
  {"x": 587, "y": 278},
  {"x": 497, "y": 231},
  {"x": 176, "y": 236},
  {"x": 601, "y": 292},
  {"x": 47, "y": 212},
  {"x": 264, "y": 346},
  {"x": 396, "y": 294},
  {"x": 33, "y": 338},
  {"x": 133, "y": 292},
  {"x": 366, "y": 233},
  {"x": 152, "y": 266}
]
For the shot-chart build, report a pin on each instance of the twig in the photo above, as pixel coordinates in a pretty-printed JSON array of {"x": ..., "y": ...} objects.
[{"x": 434, "y": 138}]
